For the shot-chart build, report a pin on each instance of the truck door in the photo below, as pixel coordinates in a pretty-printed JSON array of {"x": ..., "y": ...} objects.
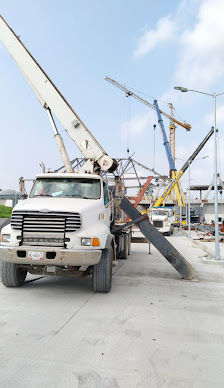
[{"x": 107, "y": 209}]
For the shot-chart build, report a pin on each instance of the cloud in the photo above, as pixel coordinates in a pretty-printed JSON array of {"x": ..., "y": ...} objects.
[
  {"x": 138, "y": 124},
  {"x": 201, "y": 59},
  {"x": 209, "y": 118},
  {"x": 199, "y": 39},
  {"x": 165, "y": 30}
]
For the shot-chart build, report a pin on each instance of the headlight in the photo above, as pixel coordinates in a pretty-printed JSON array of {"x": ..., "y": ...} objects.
[
  {"x": 5, "y": 237},
  {"x": 86, "y": 241}
]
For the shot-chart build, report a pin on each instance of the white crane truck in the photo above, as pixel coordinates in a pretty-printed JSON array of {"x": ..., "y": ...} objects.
[
  {"x": 64, "y": 227},
  {"x": 67, "y": 226},
  {"x": 163, "y": 219}
]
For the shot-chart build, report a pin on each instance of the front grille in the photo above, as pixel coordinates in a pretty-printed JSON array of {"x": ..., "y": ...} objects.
[
  {"x": 158, "y": 224},
  {"x": 33, "y": 221}
]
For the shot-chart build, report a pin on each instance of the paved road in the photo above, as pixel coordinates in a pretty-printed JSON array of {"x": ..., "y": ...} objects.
[{"x": 152, "y": 330}]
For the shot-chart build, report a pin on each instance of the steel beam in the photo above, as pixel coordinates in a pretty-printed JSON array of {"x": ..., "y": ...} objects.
[{"x": 159, "y": 241}]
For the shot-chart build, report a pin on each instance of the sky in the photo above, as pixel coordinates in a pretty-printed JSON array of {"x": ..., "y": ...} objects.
[{"x": 148, "y": 46}]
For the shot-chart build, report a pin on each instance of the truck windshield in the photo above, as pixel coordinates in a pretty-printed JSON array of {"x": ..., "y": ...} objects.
[
  {"x": 159, "y": 213},
  {"x": 66, "y": 187}
]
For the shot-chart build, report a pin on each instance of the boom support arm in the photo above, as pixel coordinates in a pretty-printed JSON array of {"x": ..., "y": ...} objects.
[
  {"x": 165, "y": 140},
  {"x": 50, "y": 97}
]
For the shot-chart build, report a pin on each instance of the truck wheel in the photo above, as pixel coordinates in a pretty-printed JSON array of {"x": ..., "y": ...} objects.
[
  {"x": 124, "y": 253},
  {"x": 12, "y": 275},
  {"x": 102, "y": 272}
]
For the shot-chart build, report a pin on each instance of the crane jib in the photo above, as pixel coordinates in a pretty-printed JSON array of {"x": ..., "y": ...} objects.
[{"x": 129, "y": 93}]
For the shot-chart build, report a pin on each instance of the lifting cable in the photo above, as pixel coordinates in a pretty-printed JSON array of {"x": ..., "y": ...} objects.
[
  {"x": 154, "y": 147},
  {"x": 128, "y": 123}
]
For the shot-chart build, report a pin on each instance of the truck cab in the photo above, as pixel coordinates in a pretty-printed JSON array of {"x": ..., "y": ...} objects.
[
  {"x": 64, "y": 225},
  {"x": 163, "y": 219}
]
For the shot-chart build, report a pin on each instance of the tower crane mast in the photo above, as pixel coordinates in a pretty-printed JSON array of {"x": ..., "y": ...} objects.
[{"x": 172, "y": 128}]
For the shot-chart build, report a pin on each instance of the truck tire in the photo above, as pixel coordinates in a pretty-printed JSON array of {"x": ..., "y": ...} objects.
[
  {"x": 12, "y": 275},
  {"x": 129, "y": 243},
  {"x": 102, "y": 272},
  {"x": 124, "y": 253}
]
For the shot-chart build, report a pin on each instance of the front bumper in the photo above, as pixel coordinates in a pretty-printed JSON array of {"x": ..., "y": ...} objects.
[
  {"x": 165, "y": 229},
  {"x": 63, "y": 256}
]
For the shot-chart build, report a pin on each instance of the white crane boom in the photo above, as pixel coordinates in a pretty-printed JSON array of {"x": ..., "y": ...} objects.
[
  {"x": 50, "y": 98},
  {"x": 130, "y": 93}
]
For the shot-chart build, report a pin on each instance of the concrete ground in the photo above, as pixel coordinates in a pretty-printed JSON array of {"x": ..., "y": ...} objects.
[{"x": 152, "y": 330}]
